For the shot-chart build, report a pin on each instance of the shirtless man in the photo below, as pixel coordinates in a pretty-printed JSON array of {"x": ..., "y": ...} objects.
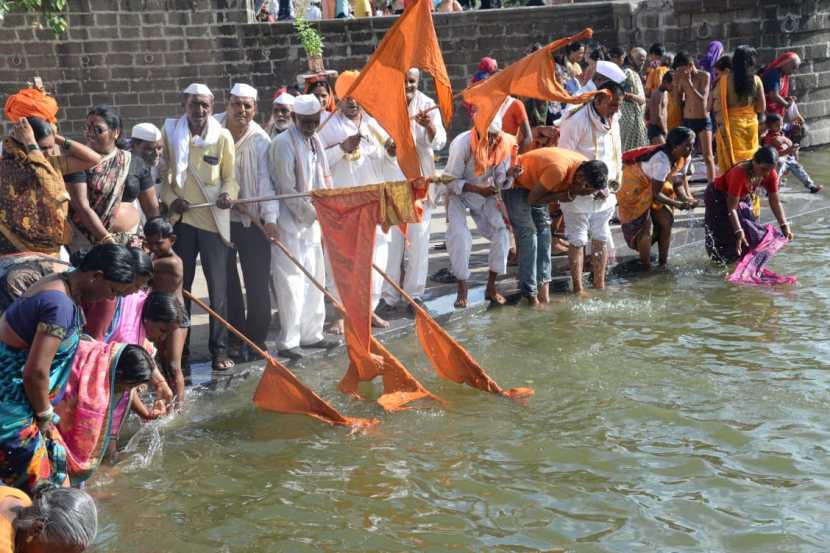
[
  {"x": 658, "y": 111},
  {"x": 168, "y": 276},
  {"x": 692, "y": 87}
]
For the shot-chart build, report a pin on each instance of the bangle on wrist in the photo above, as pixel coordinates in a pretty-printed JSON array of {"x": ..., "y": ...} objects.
[
  {"x": 67, "y": 145},
  {"x": 739, "y": 231},
  {"x": 32, "y": 147},
  {"x": 46, "y": 414},
  {"x": 108, "y": 238}
]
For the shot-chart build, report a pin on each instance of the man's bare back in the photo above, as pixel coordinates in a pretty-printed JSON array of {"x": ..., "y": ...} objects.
[{"x": 657, "y": 109}]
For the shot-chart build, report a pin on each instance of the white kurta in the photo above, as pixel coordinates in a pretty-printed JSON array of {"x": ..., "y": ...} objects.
[
  {"x": 364, "y": 166},
  {"x": 484, "y": 211},
  {"x": 583, "y": 131},
  {"x": 301, "y": 307},
  {"x": 417, "y": 251},
  {"x": 253, "y": 175}
]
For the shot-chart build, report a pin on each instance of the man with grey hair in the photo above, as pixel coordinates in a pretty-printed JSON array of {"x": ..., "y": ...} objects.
[
  {"x": 54, "y": 519},
  {"x": 252, "y": 313},
  {"x": 430, "y": 136},
  {"x": 201, "y": 168}
]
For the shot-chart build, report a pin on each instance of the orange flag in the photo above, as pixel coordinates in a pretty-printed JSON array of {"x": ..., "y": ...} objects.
[
  {"x": 452, "y": 362},
  {"x": 410, "y": 42},
  {"x": 533, "y": 76},
  {"x": 279, "y": 390},
  {"x": 348, "y": 218}
]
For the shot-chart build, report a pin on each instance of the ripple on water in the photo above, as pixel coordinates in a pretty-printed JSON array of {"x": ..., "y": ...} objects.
[{"x": 673, "y": 413}]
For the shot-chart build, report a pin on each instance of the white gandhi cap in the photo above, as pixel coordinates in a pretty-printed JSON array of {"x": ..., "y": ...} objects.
[
  {"x": 243, "y": 90},
  {"x": 147, "y": 132},
  {"x": 306, "y": 104},
  {"x": 198, "y": 89},
  {"x": 285, "y": 99},
  {"x": 610, "y": 70}
]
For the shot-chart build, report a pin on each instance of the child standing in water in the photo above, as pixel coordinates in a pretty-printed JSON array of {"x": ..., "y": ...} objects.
[
  {"x": 168, "y": 276},
  {"x": 787, "y": 152}
]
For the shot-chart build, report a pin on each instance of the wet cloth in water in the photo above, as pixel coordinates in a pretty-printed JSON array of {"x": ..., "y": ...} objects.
[
  {"x": 752, "y": 269},
  {"x": 27, "y": 456}
]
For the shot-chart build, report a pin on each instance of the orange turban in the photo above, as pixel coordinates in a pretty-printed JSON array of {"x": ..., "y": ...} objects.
[
  {"x": 344, "y": 83},
  {"x": 31, "y": 102}
]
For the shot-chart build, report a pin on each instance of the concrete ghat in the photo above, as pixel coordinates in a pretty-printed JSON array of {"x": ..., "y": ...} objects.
[{"x": 688, "y": 236}]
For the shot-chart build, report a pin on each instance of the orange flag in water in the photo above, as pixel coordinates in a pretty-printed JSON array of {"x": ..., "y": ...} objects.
[
  {"x": 533, "y": 76},
  {"x": 348, "y": 218},
  {"x": 410, "y": 42},
  {"x": 279, "y": 390},
  {"x": 452, "y": 362}
]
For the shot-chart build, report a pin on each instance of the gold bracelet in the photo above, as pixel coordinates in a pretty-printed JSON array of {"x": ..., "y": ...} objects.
[{"x": 108, "y": 238}]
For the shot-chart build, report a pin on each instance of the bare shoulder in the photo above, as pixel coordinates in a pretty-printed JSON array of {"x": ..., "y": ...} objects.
[{"x": 170, "y": 264}]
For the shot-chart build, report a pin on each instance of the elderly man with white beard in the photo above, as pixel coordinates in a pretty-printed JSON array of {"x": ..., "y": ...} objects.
[
  {"x": 280, "y": 115},
  {"x": 251, "y": 314},
  {"x": 297, "y": 162}
]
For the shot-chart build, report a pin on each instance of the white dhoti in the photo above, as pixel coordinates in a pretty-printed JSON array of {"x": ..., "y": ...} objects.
[
  {"x": 417, "y": 259},
  {"x": 490, "y": 224},
  {"x": 302, "y": 310}
]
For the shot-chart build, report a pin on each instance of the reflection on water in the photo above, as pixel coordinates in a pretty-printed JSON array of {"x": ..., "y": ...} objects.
[{"x": 674, "y": 412}]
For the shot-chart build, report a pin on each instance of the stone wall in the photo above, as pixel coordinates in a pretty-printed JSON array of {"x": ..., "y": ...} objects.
[{"x": 139, "y": 54}]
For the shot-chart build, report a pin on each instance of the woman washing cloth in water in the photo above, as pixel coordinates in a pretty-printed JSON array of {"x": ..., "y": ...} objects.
[
  {"x": 103, "y": 209},
  {"x": 653, "y": 185},
  {"x": 39, "y": 336},
  {"x": 732, "y": 227}
]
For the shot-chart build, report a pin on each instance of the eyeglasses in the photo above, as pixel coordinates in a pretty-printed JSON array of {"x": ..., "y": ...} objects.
[{"x": 98, "y": 130}]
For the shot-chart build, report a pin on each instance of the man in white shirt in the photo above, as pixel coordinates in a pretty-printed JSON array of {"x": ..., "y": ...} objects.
[
  {"x": 252, "y": 315},
  {"x": 479, "y": 195},
  {"x": 356, "y": 147},
  {"x": 593, "y": 130},
  {"x": 298, "y": 163},
  {"x": 430, "y": 136},
  {"x": 280, "y": 115}
]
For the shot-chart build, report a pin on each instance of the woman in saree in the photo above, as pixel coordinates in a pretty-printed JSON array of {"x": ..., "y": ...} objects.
[
  {"x": 737, "y": 101},
  {"x": 653, "y": 185},
  {"x": 776, "y": 79},
  {"x": 103, "y": 209},
  {"x": 33, "y": 197},
  {"x": 39, "y": 336},
  {"x": 102, "y": 373},
  {"x": 732, "y": 227}
]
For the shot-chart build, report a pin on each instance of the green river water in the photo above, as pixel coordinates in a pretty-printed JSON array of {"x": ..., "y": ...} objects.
[{"x": 674, "y": 412}]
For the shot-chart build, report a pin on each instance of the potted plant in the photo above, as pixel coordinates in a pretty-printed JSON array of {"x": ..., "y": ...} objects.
[{"x": 312, "y": 44}]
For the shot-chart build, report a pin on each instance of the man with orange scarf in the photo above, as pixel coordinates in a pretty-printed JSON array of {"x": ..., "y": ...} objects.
[{"x": 478, "y": 193}]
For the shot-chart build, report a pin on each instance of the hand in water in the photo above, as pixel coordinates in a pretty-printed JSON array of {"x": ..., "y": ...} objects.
[{"x": 742, "y": 244}]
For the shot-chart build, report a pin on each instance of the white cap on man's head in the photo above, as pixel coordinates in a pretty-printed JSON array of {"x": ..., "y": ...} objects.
[
  {"x": 307, "y": 104},
  {"x": 611, "y": 70},
  {"x": 146, "y": 131},
  {"x": 243, "y": 90},
  {"x": 285, "y": 99},
  {"x": 198, "y": 89}
]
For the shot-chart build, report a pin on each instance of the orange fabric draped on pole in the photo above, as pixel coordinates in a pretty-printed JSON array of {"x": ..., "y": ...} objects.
[
  {"x": 348, "y": 218},
  {"x": 410, "y": 42},
  {"x": 533, "y": 76}
]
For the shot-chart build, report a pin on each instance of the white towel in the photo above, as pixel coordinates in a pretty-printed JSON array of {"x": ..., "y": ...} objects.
[{"x": 179, "y": 133}]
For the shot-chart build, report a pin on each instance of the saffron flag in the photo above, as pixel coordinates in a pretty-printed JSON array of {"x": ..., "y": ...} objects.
[
  {"x": 279, "y": 390},
  {"x": 410, "y": 42},
  {"x": 348, "y": 218},
  {"x": 533, "y": 76},
  {"x": 452, "y": 362}
]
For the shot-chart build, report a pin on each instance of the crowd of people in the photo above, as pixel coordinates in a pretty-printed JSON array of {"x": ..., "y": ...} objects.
[
  {"x": 80, "y": 339},
  {"x": 287, "y": 10}
]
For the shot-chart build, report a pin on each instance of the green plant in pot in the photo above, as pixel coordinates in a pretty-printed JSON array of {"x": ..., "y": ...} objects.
[{"x": 312, "y": 43}]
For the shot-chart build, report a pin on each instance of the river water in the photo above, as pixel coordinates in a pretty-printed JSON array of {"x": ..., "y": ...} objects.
[{"x": 674, "y": 412}]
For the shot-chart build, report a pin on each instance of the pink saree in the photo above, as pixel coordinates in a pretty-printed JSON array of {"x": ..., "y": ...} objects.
[
  {"x": 86, "y": 412},
  {"x": 752, "y": 268}
]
